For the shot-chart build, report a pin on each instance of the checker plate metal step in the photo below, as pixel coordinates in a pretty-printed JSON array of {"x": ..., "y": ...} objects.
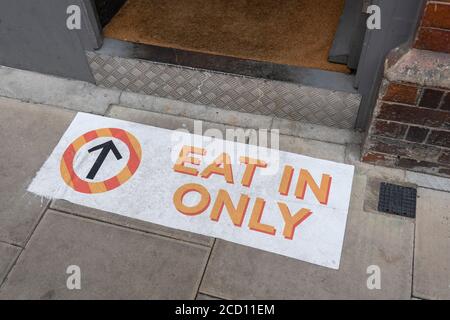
[{"x": 292, "y": 101}]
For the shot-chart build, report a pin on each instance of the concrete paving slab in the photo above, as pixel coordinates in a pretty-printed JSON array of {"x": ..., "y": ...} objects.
[
  {"x": 316, "y": 132},
  {"x": 30, "y": 133},
  {"x": 239, "y": 272},
  {"x": 54, "y": 91},
  {"x": 432, "y": 245},
  {"x": 313, "y": 148},
  {"x": 161, "y": 120},
  {"x": 353, "y": 156},
  {"x": 428, "y": 181},
  {"x": 194, "y": 111},
  {"x": 66, "y": 206},
  {"x": 8, "y": 254},
  {"x": 239, "y": 119},
  {"x": 168, "y": 121},
  {"x": 114, "y": 263}
]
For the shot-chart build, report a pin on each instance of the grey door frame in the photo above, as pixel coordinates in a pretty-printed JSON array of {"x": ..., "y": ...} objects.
[
  {"x": 399, "y": 20},
  {"x": 91, "y": 30}
]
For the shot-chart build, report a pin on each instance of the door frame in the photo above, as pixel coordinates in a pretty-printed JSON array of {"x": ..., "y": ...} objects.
[{"x": 399, "y": 22}]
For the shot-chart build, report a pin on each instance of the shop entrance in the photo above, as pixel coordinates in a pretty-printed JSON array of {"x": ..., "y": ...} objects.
[
  {"x": 308, "y": 60},
  {"x": 294, "y": 32}
]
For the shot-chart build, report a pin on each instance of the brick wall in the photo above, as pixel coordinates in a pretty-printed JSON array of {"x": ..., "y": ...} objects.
[
  {"x": 410, "y": 127},
  {"x": 434, "y": 30}
]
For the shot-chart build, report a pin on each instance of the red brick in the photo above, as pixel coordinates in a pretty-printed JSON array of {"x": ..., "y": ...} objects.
[
  {"x": 445, "y": 171},
  {"x": 403, "y": 148},
  {"x": 386, "y": 147},
  {"x": 439, "y": 138},
  {"x": 378, "y": 158},
  {"x": 417, "y": 134},
  {"x": 431, "y": 98},
  {"x": 414, "y": 115},
  {"x": 437, "y": 15},
  {"x": 415, "y": 164},
  {"x": 389, "y": 129},
  {"x": 397, "y": 92},
  {"x": 446, "y": 102},
  {"x": 444, "y": 157},
  {"x": 433, "y": 39}
]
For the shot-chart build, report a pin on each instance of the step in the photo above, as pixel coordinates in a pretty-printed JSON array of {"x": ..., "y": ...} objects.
[{"x": 334, "y": 104}]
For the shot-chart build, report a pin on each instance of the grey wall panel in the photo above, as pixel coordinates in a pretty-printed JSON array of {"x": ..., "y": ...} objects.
[{"x": 33, "y": 36}]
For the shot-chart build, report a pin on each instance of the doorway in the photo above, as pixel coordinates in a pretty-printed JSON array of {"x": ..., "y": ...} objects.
[
  {"x": 308, "y": 60},
  {"x": 295, "y": 32}
]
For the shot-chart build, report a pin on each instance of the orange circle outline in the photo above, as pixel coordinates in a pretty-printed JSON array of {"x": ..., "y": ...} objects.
[{"x": 75, "y": 182}]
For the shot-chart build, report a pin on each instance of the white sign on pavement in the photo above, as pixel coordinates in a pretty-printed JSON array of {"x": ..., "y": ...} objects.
[{"x": 275, "y": 201}]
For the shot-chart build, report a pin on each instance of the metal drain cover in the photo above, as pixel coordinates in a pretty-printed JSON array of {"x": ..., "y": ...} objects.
[{"x": 397, "y": 200}]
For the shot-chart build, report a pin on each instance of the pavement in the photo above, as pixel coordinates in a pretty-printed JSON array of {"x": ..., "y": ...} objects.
[{"x": 123, "y": 258}]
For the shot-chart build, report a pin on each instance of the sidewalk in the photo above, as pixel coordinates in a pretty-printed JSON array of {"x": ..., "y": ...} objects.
[{"x": 122, "y": 258}]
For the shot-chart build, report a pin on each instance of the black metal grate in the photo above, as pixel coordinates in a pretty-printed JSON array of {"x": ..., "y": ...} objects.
[{"x": 397, "y": 200}]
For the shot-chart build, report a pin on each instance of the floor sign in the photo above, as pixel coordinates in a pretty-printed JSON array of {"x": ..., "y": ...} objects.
[{"x": 275, "y": 201}]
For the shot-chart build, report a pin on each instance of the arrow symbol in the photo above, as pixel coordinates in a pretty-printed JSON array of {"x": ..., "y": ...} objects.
[{"x": 106, "y": 148}]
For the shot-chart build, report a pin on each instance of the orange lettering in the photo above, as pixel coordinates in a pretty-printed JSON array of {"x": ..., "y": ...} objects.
[
  {"x": 255, "y": 220},
  {"x": 215, "y": 167},
  {"x": 286, "y": 179},
  {"x": 199, "y": 207},
  {"x": 236, "y": 214},
  {"x": 291, "y": 222},
  {"x": 250, "y": 169},
  {"x": 185, "y": 158},
  {"x": 321, "y": 193}
]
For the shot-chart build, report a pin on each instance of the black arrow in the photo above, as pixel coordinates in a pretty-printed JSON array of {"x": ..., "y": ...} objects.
[{"x": 106, "y": 148}]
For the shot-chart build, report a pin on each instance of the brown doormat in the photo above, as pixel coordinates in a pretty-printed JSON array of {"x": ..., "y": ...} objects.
[{"x": 293, "y": 32}]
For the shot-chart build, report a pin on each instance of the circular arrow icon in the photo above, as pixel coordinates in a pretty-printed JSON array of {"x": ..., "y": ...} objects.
[{"x": 84, "y": 186}]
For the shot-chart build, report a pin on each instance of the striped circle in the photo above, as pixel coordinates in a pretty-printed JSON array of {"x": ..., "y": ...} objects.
[{"x": 80, "y": 185}]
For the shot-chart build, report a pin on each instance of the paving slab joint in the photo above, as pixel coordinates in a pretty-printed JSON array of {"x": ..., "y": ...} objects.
[
  {"x": 128, "y": 227},
  {"x": 46, "y": 207}
]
